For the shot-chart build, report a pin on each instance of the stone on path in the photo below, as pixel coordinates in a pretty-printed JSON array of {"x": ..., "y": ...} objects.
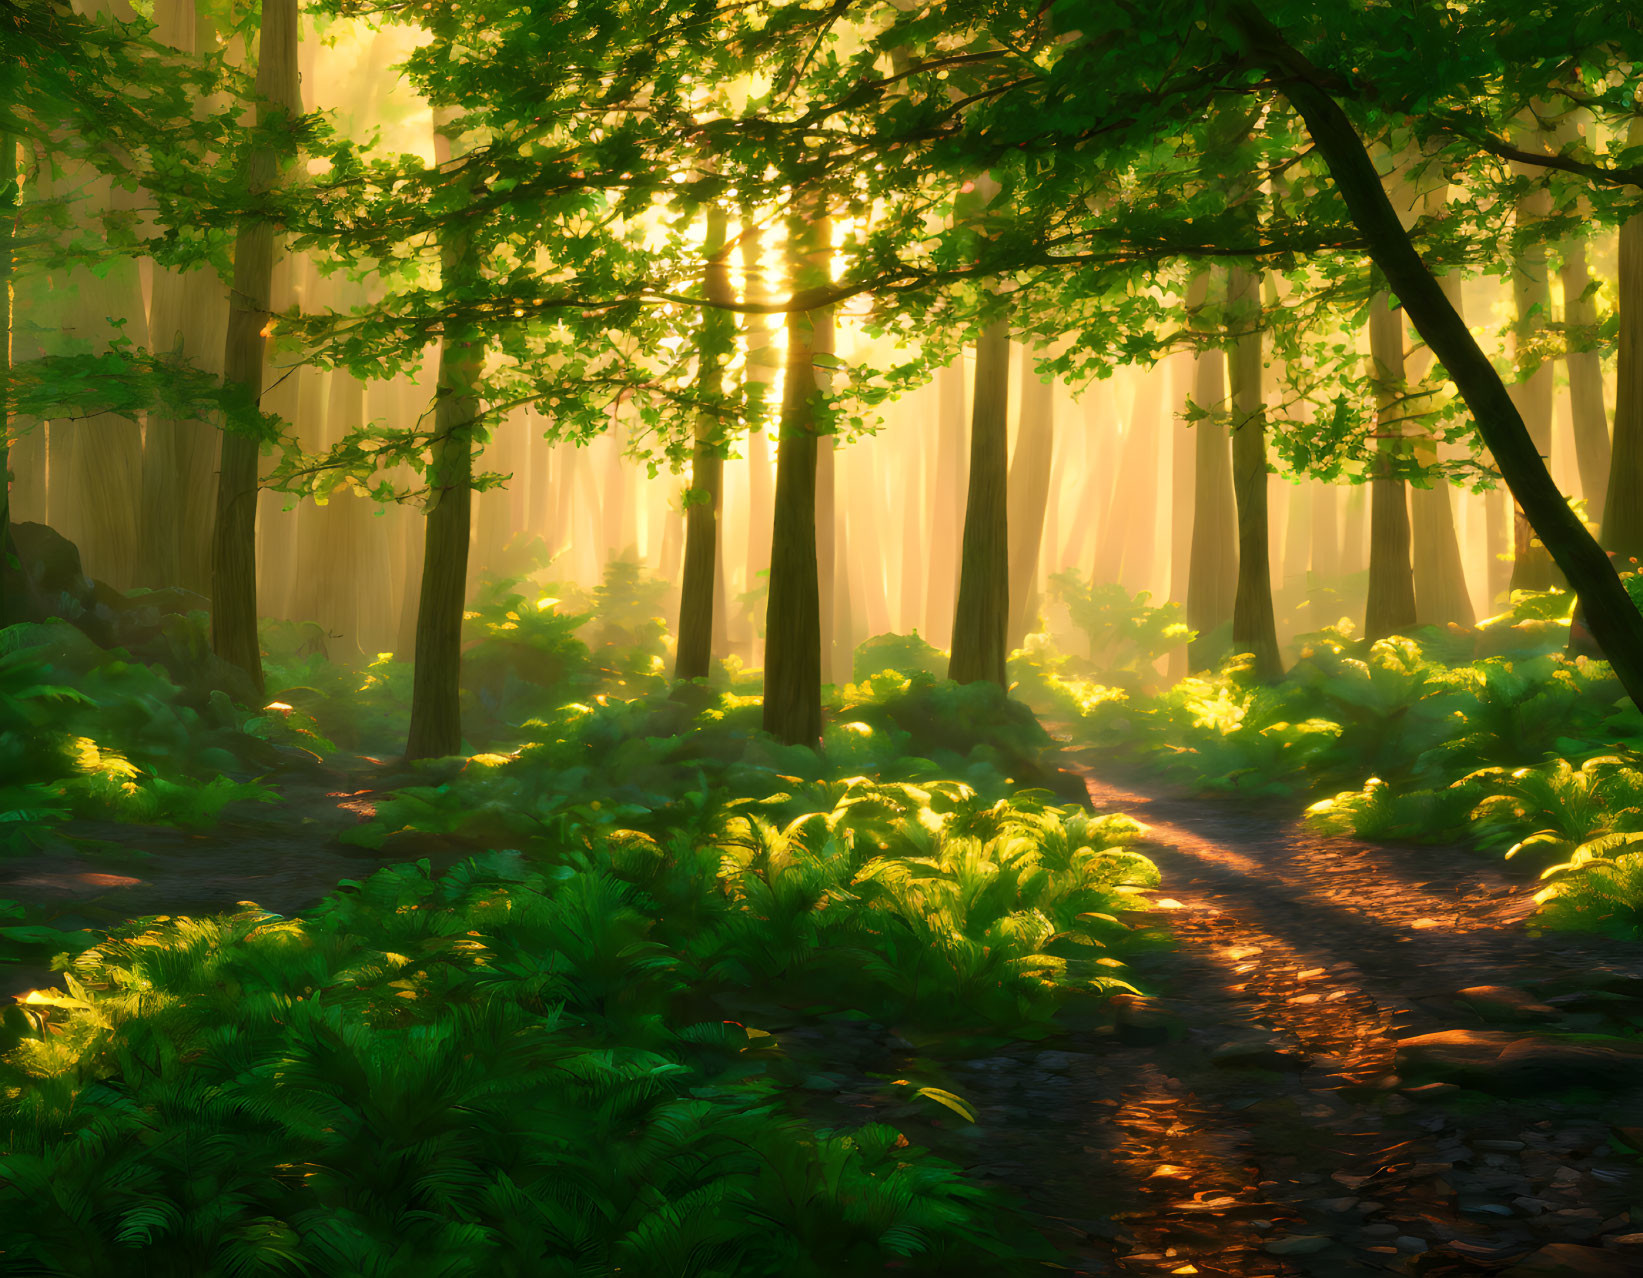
[
  {"x": 1505, "y": 1003},
  {"x": 1569, "y": 1260},
  {"x": 1499, "y": 1060}
]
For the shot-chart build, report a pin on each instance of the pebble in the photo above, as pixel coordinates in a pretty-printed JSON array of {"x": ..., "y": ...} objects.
[
  {"x": 1298, "y": 1245},
  {"x": 1403, "y": 1242}
]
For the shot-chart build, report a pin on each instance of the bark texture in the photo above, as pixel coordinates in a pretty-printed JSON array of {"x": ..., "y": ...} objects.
[
  {"x": 792, "y": 666},
  {"x": 981, "y": 615}
]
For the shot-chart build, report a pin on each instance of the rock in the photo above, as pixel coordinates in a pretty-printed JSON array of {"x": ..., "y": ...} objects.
[
  {"x": 1405, "y": 1242},
  {"x": 1498, "y": 1146},
  {"x": 1336, "y": 1206},
  {"x": 1296, "y": 1245},
  {"x": 1257, "y": 1054},
  {"x": 1504, "y": 1003},
  {"x": 1569, "y": 1260},
  {"x": 1501, "y": 1061},
  {"x": 1625, "y": 1242}
]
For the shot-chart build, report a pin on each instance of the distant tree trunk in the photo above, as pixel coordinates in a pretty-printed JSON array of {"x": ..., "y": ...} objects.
[
  {"x": 946, "y": 515},
  {"x": 792, "y": 674},
  {"x": 1325, "y": 550},
  {"x": 912, "y": 564},
  {"x": 827, "y": 541},
  {"x": 9, "y": 201},
  {"x": 1623, "y": 504},
  {"x": 1254, "y": 626},
  {"x": 761, "y": 366},
  {"x": 1441, "y": 593},
  {"x": 700, "y": 585},
  {"x": 234, "y": 536},
  {"x": 981, "y": 615},
  {"x": 1212, "y": 572},
  {"x": 436, "y": 685},
  {"x": 187, "y": 320},
  {"x": 1391, "y": 605},
  {"x": 1532, "y": 567},
  {"x": 1588, "y": 415},
  {"x": 1029, "y": 494}
]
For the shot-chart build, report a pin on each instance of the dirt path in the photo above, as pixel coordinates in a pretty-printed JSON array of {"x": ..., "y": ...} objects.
[{"x": 1252, "y": 1120}]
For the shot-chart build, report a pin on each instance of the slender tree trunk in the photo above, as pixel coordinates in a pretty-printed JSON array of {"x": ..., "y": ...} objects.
[
  {"x": 981, "y": 615},
  {"x": 1441, "y": 593},
  {"x": 1029, "y": 494},
  {"x": 1391, "y": 605},
  {"x": 1588, "y": 415},
  {"x": 436, "y": 685},
  {"x": 946, "y": 516},
  {"x": 234, "y": 537},
  {"x": 701, "y": 585},
  {"x": 187, "y": 320},
  {"x": 762, "y": 361},
  {"x": 1623, "y": 504},
  {"x": 1614, "y": 620},
  {"x": 9, "y": 201},
  {"x": 792, "y": 668},
  {"x": 827, "y": 541},
  {"x": 1254, "y": 626},
  {"x": 1532, "y": 297},
  {"x": 1212, "y": 566},
  {"x": 1325, "y": 551}
]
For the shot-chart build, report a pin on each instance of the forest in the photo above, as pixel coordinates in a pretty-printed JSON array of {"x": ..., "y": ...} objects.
[{"x": 734, "y": 638}]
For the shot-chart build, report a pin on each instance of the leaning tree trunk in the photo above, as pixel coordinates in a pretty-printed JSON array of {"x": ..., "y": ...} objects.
[
  {"x": 982, "y": 614},
  {"x": 792, "y": 664},
  {"x": 697, "y": 592},
  {"x": 1254, "y": 625},
  {"x": 436, "y": 684},
  {"x": 1029, "y": 494},
  {"x": 234, "y": 536},
  {"x": 1390, "y": 608},
  {"x": 1623, "y": 505},
  {"x": 1614, "y": 620},
  {"x": 1212, "y": 565}
]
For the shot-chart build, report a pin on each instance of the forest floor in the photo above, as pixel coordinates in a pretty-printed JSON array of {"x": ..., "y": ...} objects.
[{"x": 1276, "y": 1105}]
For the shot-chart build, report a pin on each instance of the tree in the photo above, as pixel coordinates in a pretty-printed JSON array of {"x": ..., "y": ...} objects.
[
  {"x": 1614, "y": 620},
  {"x": 1391, "y": 604},
  {"x": 981, "y": 614},
  {"x": 234, "y": 539}
]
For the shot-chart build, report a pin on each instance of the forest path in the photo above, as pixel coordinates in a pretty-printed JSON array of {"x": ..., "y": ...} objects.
[
  {"x": 1249, "y": 1119},
  {"x": 285, "y": 855}
]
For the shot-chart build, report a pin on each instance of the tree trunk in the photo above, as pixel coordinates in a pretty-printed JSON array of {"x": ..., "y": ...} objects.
[
  {"x": 1532, "y": 299},
  {"x": 1212, "y": 565},
  {"x": 436, "y": 684},
  {"x": 700, "y": 584},
  {"x": 981, "y": 615},
  {"x": 187, "y": 320},
  {"x": 1623, "y": 504},
  {"x": 761, "y": 368},
  {"x": 1391, "y": 605},
  {"x": 234, "y": 536},
  {"x": 1029, "y": 494},
  {"x": 1254, "y": 626},
  {"x": 946, "y": 516},
  {"x": 9, "y": 201},
  {"x": 827, "y": 541},
  {"x": 792, "y": 667},
  {"x": 1588, "y": 415},
  {"x": 1614, "y": 621}
]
